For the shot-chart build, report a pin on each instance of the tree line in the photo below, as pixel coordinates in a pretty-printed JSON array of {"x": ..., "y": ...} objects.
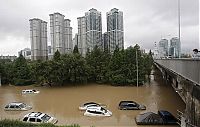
[{"x": 118, "y": 68}]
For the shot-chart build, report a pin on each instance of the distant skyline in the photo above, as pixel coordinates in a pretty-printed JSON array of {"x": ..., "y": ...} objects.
[{"x": 145, "y": 21}]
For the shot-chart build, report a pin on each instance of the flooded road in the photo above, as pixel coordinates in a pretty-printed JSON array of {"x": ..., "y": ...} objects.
[{"x": 63, "y": 102}]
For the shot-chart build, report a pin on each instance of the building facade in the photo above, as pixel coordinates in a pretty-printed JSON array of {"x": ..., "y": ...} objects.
[
  {"x": 105, "y": 41},
  {"x": 26, "y": 53},
  {"x": 155, "y": 52},
  {"x": 93, "y": 29},
  {"x": 115, "y": 29},
  {"x": 61, "y": 34},
  {"x": 89, "y": 31},
  {"x": 163, "y": 48},
  {"x": 57, "y": 32},
  {"x": 12, "y": 58},
  {"x": 38, "y": 37},
  {"x": 75, "y": 40},
  {"x": 82, "y": 35},
  {"x": 68, "y": 36},
  {"x": 174, "y": 50}
]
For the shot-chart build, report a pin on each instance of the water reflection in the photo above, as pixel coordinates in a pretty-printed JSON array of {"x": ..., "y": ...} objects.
[{"x": 63, "y": 102}]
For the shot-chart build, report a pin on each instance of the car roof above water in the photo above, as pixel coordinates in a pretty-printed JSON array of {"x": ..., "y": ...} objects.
[
  {"x": 164, "y": 113},
  {"x": 126, "y": 102},
  {"x": 35, "y": 114},
  {"x": 94, "y": 108},
  {"x": 15, "y": 103},
  {"x": 29, "y": 90},
  {"x": 89, "y": 103}
]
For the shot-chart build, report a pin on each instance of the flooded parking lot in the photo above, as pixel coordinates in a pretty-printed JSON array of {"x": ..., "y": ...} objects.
[{"x": 63, "y": 102}]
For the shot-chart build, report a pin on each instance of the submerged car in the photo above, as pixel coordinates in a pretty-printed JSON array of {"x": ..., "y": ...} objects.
[
  {"x": 30, "y": 91},
  {"x": 38, "y": 117},
  {"x": 149, "y": 118},
  {"x": 130, "y": 105},
  {"x": 17, "y": 106},
  {"x": 97, "y": 111},
  {"x": 89, "y": 104},
  {"x": 167, "y": 117},
  {"x": 162, "y": 118}
]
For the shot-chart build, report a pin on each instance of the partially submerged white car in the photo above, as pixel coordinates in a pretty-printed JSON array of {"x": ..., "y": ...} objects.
[
  {"x": 30, "y": 91},
  {"x": 38, "y": 117},
  {"x": 97, "y": 111},
  {"x": 17, "y": 106},
  {"x": 89, "y": 104}
]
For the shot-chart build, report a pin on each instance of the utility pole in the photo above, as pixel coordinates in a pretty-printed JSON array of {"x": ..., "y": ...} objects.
[
  {"x": 0, "y": 79},
  {"x": 179, "y": 28},
  {"x": 137, "y": 66}
]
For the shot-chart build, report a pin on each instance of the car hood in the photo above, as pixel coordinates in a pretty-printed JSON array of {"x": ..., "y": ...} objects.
[
  {"x": 142, "y": 107},
  {"x": 52, "y": 120}
]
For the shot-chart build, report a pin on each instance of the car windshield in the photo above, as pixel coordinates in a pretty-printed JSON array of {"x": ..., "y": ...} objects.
[
  {"x": 45, "y": 118},
  {"x": 90, "y": 103},
  {"x": 102, "y": 109},
  {"x": 22, "y": 106},
  {"x": 34, "y": 90}
]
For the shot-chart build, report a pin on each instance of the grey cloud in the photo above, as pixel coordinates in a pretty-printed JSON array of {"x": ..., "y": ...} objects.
[{"x": 145, "y": 21}]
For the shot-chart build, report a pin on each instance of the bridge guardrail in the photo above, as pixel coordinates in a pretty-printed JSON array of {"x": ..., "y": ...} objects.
[{"x": 188, "y": 68}]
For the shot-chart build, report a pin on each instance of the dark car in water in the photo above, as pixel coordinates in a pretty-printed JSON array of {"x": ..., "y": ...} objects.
[
  {"x": 167, "y": 117},
  {"x": 162, "y": 118},
  {"x": 149, "y": 118},
  {"x": 130, "y": 105}
]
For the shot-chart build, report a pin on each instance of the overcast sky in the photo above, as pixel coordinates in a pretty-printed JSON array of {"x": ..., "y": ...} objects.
[{"x": 145, "y": 21}]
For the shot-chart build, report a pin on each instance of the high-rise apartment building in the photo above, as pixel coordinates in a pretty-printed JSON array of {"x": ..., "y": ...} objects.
[
  {"x": 82, "y": 35},
  {"x": 89, "y": 31},
  {"x": 75, "y": 40},
  {"x": 174, "y": 49},
  {"x": 61, "y": 33},
  {"x": 38, "y": 37},
  {"x": 68, "y": 36},
  {"x": 163, "y": 48},
  {"x": 105, "y": 41},
  {"x": 115, "y": 29},
  {"x": 93, "y": 29}
]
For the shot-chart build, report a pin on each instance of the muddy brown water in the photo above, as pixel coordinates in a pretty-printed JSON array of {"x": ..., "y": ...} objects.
[{"x": 63, "y": 102}]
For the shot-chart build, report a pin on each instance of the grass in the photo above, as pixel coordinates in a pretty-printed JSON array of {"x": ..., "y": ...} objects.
[{"x": 16, "y": 123}]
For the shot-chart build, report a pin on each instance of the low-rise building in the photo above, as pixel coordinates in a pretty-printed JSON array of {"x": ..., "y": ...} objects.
[
  {"x": 12, "y": 58},
  {"x": 26, "y": 53}
]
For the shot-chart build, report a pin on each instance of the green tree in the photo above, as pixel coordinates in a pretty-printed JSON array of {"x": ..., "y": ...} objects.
[
  {"x": 95, "y": 60},
  {"x": 75, "y": 49},
  {"x": 21, "y": 71},
  {"x": 56, "y": 56}
]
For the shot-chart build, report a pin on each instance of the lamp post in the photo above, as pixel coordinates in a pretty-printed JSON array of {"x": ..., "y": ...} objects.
[
  {"x": 0, "y": 79},
  {"x": 179, "y": 29},
  {"x": 137, "y": 66}
]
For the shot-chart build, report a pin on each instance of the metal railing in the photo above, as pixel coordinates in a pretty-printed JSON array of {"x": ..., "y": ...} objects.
[{"x": 182, "y": 120}]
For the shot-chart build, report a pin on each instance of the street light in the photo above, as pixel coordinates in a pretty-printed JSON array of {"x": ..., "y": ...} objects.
[
  {"x": 137, "y": 66},
  {"x": 179, "y": 28}
]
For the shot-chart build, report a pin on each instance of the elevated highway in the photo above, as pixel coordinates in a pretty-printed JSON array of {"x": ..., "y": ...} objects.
[{"x": 184, "y": 76}]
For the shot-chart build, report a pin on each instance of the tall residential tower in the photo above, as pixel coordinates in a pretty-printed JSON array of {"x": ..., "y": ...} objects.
[
  {"x": 82, "y": 35},
  {"x": 89, "y": 31},
  {"x": 68, "y": 36},
  {"x": 163, "y": 48},
  {"x": 115, "y": 29},
  {"x": 93, "y": 29},
  {"x": 61, "y": 33},
  {"x": 38, "y": 37},
  {"x": 175, "y": 49}
]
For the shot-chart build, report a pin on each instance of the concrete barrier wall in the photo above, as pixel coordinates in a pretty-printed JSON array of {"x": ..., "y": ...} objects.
[{"x": 188, "y": 68}]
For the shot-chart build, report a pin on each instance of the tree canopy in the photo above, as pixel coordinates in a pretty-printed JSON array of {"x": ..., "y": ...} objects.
[{"x": 98, "y": 66}]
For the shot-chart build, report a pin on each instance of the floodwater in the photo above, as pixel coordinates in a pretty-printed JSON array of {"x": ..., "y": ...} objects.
[{"x": 63, "y": 102}]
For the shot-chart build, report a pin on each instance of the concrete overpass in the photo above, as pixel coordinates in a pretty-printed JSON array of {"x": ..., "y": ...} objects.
[
  {"x": 184, "y": 76},
  {"x": 187, "y": 68}
]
